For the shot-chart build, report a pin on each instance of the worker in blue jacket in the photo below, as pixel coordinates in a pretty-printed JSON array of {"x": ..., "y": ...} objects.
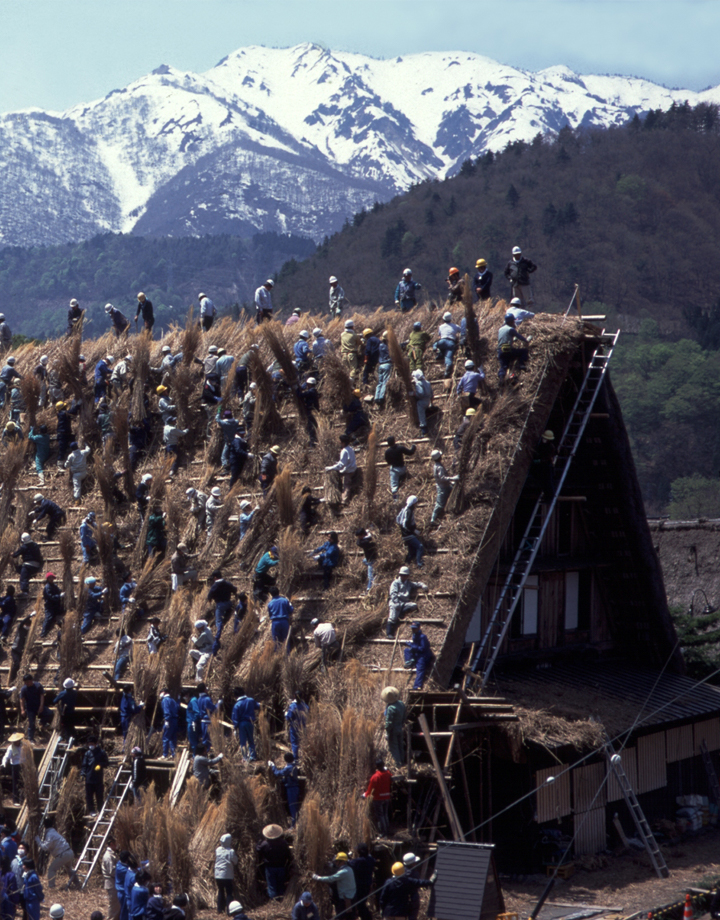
[
  {"x": 94, "y": 603},
  {"x": 87, "y": 539},
  {"x": 406, "y": 292},
  {"x": 296, "y": 717},
  {"x": 207, "y": 708},
  {"x": 280, "y": 610},
  {"x": 263, "y": 577},
  {"x": 243, "y": 718},
  {"x": 193, "y": 718},
  {"x": 291, "y": 781},
  {"x": 302, "y": 352},
  {"x": 419, "y": 655},
  {"x": 328, "y": 557},
  {"x": 33, "y": 894},
  {"x": 170, "y": 710},
  {"x": 128, "y": 710}
]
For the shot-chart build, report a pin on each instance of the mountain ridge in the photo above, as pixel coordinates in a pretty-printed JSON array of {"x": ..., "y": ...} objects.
[{"x": 321, "y": 133}]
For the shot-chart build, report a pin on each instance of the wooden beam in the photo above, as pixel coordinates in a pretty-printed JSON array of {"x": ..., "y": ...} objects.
[{"x": 447, "y": 800}]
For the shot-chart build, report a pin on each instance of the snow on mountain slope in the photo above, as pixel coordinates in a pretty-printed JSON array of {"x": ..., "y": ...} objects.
[{"x": 291, "y": 139}]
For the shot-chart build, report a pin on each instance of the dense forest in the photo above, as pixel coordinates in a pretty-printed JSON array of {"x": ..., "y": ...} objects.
[
  {"x": 36, "y": 284},
  {"x": 631, "y": 214}
]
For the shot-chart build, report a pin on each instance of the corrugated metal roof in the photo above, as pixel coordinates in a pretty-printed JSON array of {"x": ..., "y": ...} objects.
[
  {"x": 465, "y": 881},
  {"x": 613, "y": 691}
]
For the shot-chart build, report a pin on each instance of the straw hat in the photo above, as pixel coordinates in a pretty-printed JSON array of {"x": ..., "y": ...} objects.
[
  {"x": 272, "y": 832},
  {"x": 18, "y": 736},
  {"x": 390, "y": 695}
]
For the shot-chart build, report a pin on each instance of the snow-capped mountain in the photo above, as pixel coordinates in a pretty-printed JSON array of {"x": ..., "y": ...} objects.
[{"x": 291, "y": 140}]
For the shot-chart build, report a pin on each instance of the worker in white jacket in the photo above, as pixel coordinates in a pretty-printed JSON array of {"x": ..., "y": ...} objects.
[
  {"x": 76, "y": 463},
  {"x": 346, "y": 466}
]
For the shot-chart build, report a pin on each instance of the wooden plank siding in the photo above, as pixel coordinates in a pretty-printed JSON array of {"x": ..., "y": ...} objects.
[
  {"x": 679, "y": 743},
  {"x": 586, "y": 782},
  {"x": 552, "y": 801},
  {"x": 551, "y": 609},
  {"x": 590, "y": 832},
  {"x": 709, "y": 731},
  {"x": 629, "y": 765},
  {"x": 652, "y": 767}
]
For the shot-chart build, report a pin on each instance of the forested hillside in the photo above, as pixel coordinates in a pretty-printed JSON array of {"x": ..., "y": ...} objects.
[{"x": 36, "y": 284}]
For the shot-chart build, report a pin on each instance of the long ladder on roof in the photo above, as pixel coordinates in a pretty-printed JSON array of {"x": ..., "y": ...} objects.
[
  {"x": 51, "y": 773},
  {"x": 489, "y": 648},
  {"x": 645, "y": 833},
  {"x": 96, "y": 842}
]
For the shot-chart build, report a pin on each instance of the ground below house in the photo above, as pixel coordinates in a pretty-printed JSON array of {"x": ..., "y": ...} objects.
[{"x": 627, "y": 882}]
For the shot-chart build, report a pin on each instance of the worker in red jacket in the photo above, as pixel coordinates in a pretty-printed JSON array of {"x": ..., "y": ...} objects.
[{"x": 379, "y": 790}]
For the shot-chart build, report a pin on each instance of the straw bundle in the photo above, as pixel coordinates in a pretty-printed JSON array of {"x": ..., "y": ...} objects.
[
  {"x": 141, "y": 371},
  {"x": 284, "y": 498},
  {"x": 260, "y": 673},
  {"x": 172, "y": 664},
  {"x": 219, "y": 539},
  {"x": 70, "y": 811},
  {"x": 67, "y": 363},
  {"x": 191, "y": 340},
  {"x": 273, "y": 335},
  {"x": 31, "y": 793},
  {"x": 292, "y": 559},
  {"x": 72, "y": 652},
  {"x": 402, "y": 366},
  {"x": 181, "y": 865},
  {"x": 29, "y": 653},
  {"x": 121, "y": 427},
  {"x": 313, "y": 839},
  {"x": 153, "y": 584},
  {"x": 337, "y": 385},
  {"x": 128, "y": 827},
  {"x": 12, "y": 463},
  {"x": 30, "y": 387},
  {"x": 473, "y": 341},
  {"x": 107, "y": 553},
  {"x": 67, "y": 554},
  {"x": 370, "y": 472},
  {"x": 105, "y": 479},
  {"x": 267, "y": 418},
  {"x": 183, "y": 387},
  {"x": 234, "y": 647}
]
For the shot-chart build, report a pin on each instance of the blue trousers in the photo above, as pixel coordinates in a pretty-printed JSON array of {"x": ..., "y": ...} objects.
[
  {"x": 423, "y": 666},
  {"x": 414, "y": 547},
  {"x": 397, "y": 474},
  {"x": 169, "y": 737},
  {"x": 205, "y": 732},
  {"x": 371, "y": 573},
  {"x": 275, "y": 879},
  {"x": 295, "y": 743},
  {"x": 383, "y": 375},
  {"x": 89, "y": 549},
  {"x": 447, "y": 347},
  {"x": 280, "y": 630},
  {"x": 193, "y": 734},
  {"x": 246, "y": 739},
  {"x": 293, "y": 801},
  {"x": 87, "y": 621},
  {"x": 222, "y": 610},
  {"x": 120, "y": 665}
]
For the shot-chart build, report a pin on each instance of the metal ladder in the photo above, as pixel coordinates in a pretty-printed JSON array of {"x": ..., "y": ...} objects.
[
  {"x": 51, "y": 773},
  {"x": 104, "y": 822},
  {"x": 522, "y": 564},
  {"x": 711, "y": 774},
  {"x": 638, "y": 816}
]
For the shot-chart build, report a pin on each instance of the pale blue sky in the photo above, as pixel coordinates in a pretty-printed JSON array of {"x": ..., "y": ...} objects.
[{"x": 56, "y": 53}]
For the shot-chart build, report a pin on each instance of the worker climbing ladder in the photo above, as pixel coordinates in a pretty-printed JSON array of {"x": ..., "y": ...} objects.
[
  {"x": 484, "y": 659},
  {"x": 96, "y": 842},
  {"x": 643, "y": 828},
  {"x": 711, "y": 774},
  {"x": 51, "y": 773}
]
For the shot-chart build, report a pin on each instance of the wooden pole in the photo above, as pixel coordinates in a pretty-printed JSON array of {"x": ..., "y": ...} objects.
[{"x": 447, "y": 800}]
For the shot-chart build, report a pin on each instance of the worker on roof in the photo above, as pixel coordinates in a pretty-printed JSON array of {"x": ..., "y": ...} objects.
[
  {"x": 296, "y": 717},
  {"x": 320, "y": 344},
  {"x": 443, "y": 487},
  {"x": 508, "y": 352},
  {"x": 518, "y": 311},
  {"x": 280, "y": 611},
  {"x": 88, "y": 544},
  {"x": 448, "y": 339},
  {"x": 346, "y": 467},
  {"x": 395, "y": 458},
  {"x": 336, "y": 297},
  {"x": 379, "y": 791},
  {"x": 406, "y": 292},
  {"x": 221, "y": 594},
  {"x": 263, "y": 578},
  {"x": 201, "y": 651},
  {"x": 145, "y": 309},
  {"x": 212, "y": 508},
  {"x": 242, "y": 370},
  {"x": 408, "y": 530},
  {"x": 41, "y": 439},
  {"x": 423, "y": 392},
  {"x": 371, "y": 354},
  {"x": 302, "y": 352},
  {"x": 74, "y": 316},
  {"x": 350, "y": 347},
  {"x": 400, "y": 603},
  {"x": 310, "y": 397},
  {"x": 180, "y": 568},
  {"x": 460, "y": 432},
  {"x": 172, "y": 433},
  {"x": 63, "y": 433},
  {"x": 419, "y": 655},
  {"x": 384, "y": 369},
  {"x": 365, "y": 541},
  {"x": 120, "y": 322},
  {"x": 93, "y": 763},
  {"x": 294, "y": 317},
  {"x": 120, "y": 377},
  {"x": 263, "y": 302},
  {"x": 325, "y": 638},
  {"x": 198, "y": 505},
  {"x": 517, "y": 272},
  {"x": 269, "y": 469},
  {"x": 207, "y": 312},
  {"x": 482, "y": 281},
  {"x": 327, "y": 557},
  {"x": 171, "y": 713},
  {"x": 469, "y": 384},
  {"x": 355, "y": 415},
  {"x": 223, "y": 365},
  {"x": 456, "y": 286},
  {"x": 239, "y": 455},
  {"x": 394, "y": 723},
  {"x": 244, "y": 714},
  {"x": 290, "y": 779},
  {"x": 32, "y": 561},
  {"x": 94, "y": 603},
  {"x": 416, "y": 344}
]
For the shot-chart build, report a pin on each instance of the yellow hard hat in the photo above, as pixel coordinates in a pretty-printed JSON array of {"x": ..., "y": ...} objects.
[
  {"x": 61, "y": 405},
  {"x": 481, "y": 263},
  {"x": 469, "y": 412},
  {"x": 161, "y": 389},
  {"x": 398, "y": 869},
  {"x": 367, "y": 331},
  {"x": 357, "y": 392},
  {"x": 341, "y": 857}
]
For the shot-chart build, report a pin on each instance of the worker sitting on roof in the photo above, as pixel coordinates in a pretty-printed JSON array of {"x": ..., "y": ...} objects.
[
  {"x": 263, "y": 577},
  {"x": 507, "y": 351},
  {"x": 419, "y": 655},
  {"x": 518, "y": 311}
]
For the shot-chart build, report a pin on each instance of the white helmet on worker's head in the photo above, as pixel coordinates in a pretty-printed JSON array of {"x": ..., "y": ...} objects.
[
  {"x": 269, "y": 283},
  {"x": 74, "y": 303},
  {"x": 447, "y": 316},
  {"x": 407, "y": 271},
  {"x": 37, "y": 497},
  {"x": 25, "y": 538},
  {"x": 317, "y": 331},
  {"x": 333, "y": 279},
  {"x": 436, "y": 455},
  {"x": 517, "y": 251},
  {"x": 304, "y": 334},
  {"x": 108, "y": 307},
  {"x": 469, "y": 365},
  {"x": 212, "y": 350},
  {"x": 215, "y": 492},
  {"x": 349, "y": 324},
  {"x": 166, "y": 350},
  {"x": 44, "y": 360},
  {"x": 146, "y": 477},
  {"x": 2, "y": 317},
  {"x": 10, "y": 360},
  {"x": 404, "y": 570},
  {"x": 516, "y": 302}
]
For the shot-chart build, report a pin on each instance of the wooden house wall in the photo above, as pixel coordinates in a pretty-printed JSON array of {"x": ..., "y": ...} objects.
[
  {"x": 629, "y": 765},
  {"x": 590, "y": 832},
  {"x": 709, "y": 732},
  {"x": 552, "y": 801},
  {"x": 652, "y": 764}
]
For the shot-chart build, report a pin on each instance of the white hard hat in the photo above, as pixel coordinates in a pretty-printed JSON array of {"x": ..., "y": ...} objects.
[
  {"x": 69, "y": 683},
  {"x": 201, "y": 295},
  {"x": 469, "y": 365},
  {"x": 447, "y": 316},
  {"x": 2, "y": 317},
  {"x": 436, "y": 455},
  {"x": 73, "y": 303},
  {"x": 108, "y": 307},
  {"x": 516, "y": 302},
  {"x": 410, "y": 859},
  {"x": 517, "y": 251},
  {"x": 166, "y": 348},
  {"x": 191, "y": 491},
  {"x": 317, "y": 331},
  {"x": 244, "y": 504},
  {"x": 404, "y": 570},
  {"x": 37, "y": 497},
  {"x": 333, "y": 279},
  {"x": 200, "y": 624},
  {"x": 349, "y": 324},
  {"x": 44, "y": 359},
  {"x": 57, "y": 912},
  {"x": 234, "y": 907},
  {"x": 312, "y": 381},
  {"x": 216, "y": 492},
  {"x": 270, "y": 282},
  {"x": 304, "y": 334},
  {"x": 417, "y": 374},
  {"x": 25, "y": 538},
  {"x": 212, "y": 350},
  {"x": 407, "y": 271},
  {"x": 110, "y": 359},
  {"x": 146, "y": 477}
]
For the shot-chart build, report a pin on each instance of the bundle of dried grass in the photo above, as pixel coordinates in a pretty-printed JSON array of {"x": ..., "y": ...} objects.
[
  {"x": 181, "y": 868},
  {"x": 141, "y": 369},
  {"x": 321, "y": 748},
  {"x": 220, "y": 539},
  {"x": 153, "y": 585},
  {"x": 67, "y": 554},
  {"x": 31, "y": 793},
  {"x": 337, "y": 386},
  {"x": 292, "y": 559},
  {"x": 145, "y": 671},
  {"x": 30, "y": 387},
  {"x": 193, "y": 804},
  {"x": 332, "y": 487},
  {"x": 67, "y": 363},
  {"x": 30, "y": 653},
  {"x": 313, "y": 839},
  {"x": 172, "y": 664},
  {"x": 261, "y": 532},
  {"x": 121, "y": 427},
  {"x": 191, "y": 340},
  {"x": 263, "y": 737},
  {"x": 473, "y": 340},
  {"x": 72, "y": 652},
  {"x": 70, "y": 812},
  {"x": 402, "y": 366},
  {"x": 284, "y": 498},
  {"x": 128, "y": 827},
  {"x": 470, "y": 447},
  {"x": 370, "y": 472},
  {"x": 267, "y": 418},
  {"x": 202, "y": 846},
  {"x": 106, "y": 553},
  {"x": 12, "y": 463},
  {"x": 8, "y": 544},
  {"x": 245, "y": 825},
  {"x": 105, "y": 479},
  {"x": 273, "y": 335},
  {"x": 233, "y": 649},
  {"x": 260, "y": 673}
]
